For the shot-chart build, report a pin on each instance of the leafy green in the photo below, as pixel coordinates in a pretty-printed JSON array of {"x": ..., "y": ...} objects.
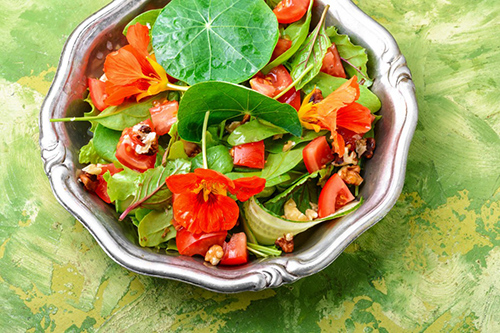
[
  {"x": 278, "y": 164},
  {"x": 273, "y": 3},
  {"x": 105, "y": 142},
  {"x": 145, "y": 18},
  {"x": 355, "y": 56},
  {"x": 118, "y": 117},
  {"x": 156, "y": 228},
  {"x": 253, "y": 131},
  {"x": 226, "y": 40},
  {"x": 309, "y": 58},
  {"x": 226, "y": 101},
  {"x": 236, "y": 175},
  {"x": 276, "y": 146},
  {"x": 262, "y": 251},
  {"x": 297, "y": 32},
  {"x": 327, "y": 84},
  {"x": 88, "y": 154},
  {"x": 93, "y": 111},
  {"x": 218, "y": 159},
  {"x": 177, "y": 151}
]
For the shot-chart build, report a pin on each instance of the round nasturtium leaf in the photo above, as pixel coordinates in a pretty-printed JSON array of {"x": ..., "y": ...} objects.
[{"x": 214, "y": 40}]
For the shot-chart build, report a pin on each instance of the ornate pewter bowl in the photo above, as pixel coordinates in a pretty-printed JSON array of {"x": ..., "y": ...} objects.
[{"x": 84, "y": 55}]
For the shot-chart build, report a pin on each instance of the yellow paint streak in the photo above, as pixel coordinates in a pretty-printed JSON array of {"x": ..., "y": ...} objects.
[
  {"x": 39, "y": 82},
  {"x": 353, "y": 247},
  {"x": 379, "y": 284},
  {"x": 2, "y": 248}
]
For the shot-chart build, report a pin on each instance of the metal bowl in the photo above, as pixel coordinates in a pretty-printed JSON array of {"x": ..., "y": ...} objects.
[{"x": 84, "y": 55}]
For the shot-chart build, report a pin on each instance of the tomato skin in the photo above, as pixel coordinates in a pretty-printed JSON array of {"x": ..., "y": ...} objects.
[
  {"x": 126, "y": 154},
  {"x": 97, "y": 91},
  {"x": 250, "y": 155},
  {"x": 291, "y": 97},
  {"x": 281, "y": 47},
  {"x": 289, "y": 11},
  {"x": 334, "y": 195},
  {"x": 235, "y": 251},
  {"x": 102, "y": 187},
  {"x": 190, "y": 244},
  {"x": 317, "y": 154},
  {"x": 349, "y": 137},
  {"x": 164, "y": 116},
  {"x": 332, "y": 64}
]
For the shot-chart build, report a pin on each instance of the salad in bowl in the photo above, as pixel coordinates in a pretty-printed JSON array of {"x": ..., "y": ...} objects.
[{"x": 224, "y": 129}]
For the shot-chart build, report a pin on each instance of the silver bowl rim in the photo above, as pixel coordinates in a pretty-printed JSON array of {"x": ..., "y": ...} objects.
[{"x": 393, "y": 75}]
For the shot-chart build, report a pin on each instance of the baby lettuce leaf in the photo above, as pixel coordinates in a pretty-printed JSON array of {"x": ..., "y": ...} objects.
[
  {"x": 218, "y": 159},
  {"x": 278, "y": 164},
  {"x": 146, "y": 18},
  {"x": 225, "y": 40},
  {"x": 88, "y": 154},
  {"x": 226, "y": 101},
  {"x": 355, "y": 56},
  {"x": 327, "y": 84},
  {"x": 253, "y": 131},
  {"x": 276, "y": 146},
  {"x": 309, "y": 58},
  {"x": 297, "y": 32},
  {"x": 117, "y": 117},
  {"x": 156, "y": 228},
  {"x": 105, "y": 142}
]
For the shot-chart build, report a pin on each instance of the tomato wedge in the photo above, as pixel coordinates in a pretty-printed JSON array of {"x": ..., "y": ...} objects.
[
  {"x": 164, "y": 116},
  {"x": 334, "y": 195},
  {"x": 289, "y": 11},
  {"x": 281, "y": 47},
  {"x": 97, "y": 91},
  {"x": 250, "y": 155},
  {"x": 126, "y": 150},
  {"x": 317, "y": 154},
  {"x": 235, "y": 251},
  {"x": 332, "y": 64},
  {"x": 273, "y": 83},
  {"x": 291, "y": 97},
  {"x": 102, "y": 187},
  {"x": 190, "y": 244}
]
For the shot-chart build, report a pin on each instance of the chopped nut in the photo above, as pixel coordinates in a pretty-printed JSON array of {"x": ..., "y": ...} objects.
[
  {"x": 191, "y": 149},
  {"x": 288, "y": 145},
  {"x": 349, "y": 157},
  {"x": 232, "y": 126},
  {"x": 293, "y": 213},
  {"x": 89, "y": 181},
  {"x": 149, "y": 139},
  {"x": 245, "y": 119},
  {"x": 277, "y": 136},
  {"x": 311, "y": 214},
  {"x": 93, "y": 169},
  {"x": 350, "y": 175},
  {"x": 316, "y": 97},
  {"x": 285, "y": 242},
  {"x": 214, "y": 254},
  {"x": 365, "y": 147}
]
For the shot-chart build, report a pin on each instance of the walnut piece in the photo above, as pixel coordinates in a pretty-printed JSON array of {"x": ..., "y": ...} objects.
[
  {"x": 89, "y": 181},
  {"x": 214, "y": 254},
  {"x": 349, "y": 158},
  {"x": 288, "y": 145},
  {"x": 293, "y": 213},
  {"x": 285, "y": 243},
  {"x": 191, "y": 149},
  {"x": 365, "y": 147},
  {"x": 316, "y": 97},
  {"x": 350, "y": 175},
  {"x": 148, "y": 138}
]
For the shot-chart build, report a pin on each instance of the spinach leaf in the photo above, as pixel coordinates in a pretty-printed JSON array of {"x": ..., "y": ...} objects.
[
  {"x": 146, "y": 18},
  {"x": 309, "y": 58},
  {"x": 327, "y": 84},
  {"x": 354, "y": 56},
  {"x": 156, "y": 228},
  {"x": 177, "y": 151},
  {"x": 226, "y": 101},
  {"x": 117, "y": 117},
  {"x": 253, "y": 131},
  {"x": 236, "y": 175},
  {"x": 105, "y": 141},
  {"x": 276, "y": 146},
  {"x": 278, "y": 164},
  {"x": 297, "y": 32},
  {"x": 226, "y": 40},
  {"x": 218, "y": 159},
  {"x": 93, "y": 112},
  {"x": 88, "y": 154}
]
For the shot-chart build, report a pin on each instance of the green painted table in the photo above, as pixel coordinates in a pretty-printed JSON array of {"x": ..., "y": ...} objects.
[{"x": 432, "y": 264}]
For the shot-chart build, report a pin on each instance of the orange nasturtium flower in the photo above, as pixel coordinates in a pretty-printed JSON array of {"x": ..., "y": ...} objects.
[
  {"x": 202, "y": 204},
  {"x": 133, "y": 72},
  {"x": 339, "y": 109}
]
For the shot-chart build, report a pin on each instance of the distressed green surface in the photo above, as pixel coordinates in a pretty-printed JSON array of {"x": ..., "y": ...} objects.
[{"x": 432, "y": 264}]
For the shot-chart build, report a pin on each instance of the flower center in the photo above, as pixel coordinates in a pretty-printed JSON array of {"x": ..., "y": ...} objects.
[{"x": 210, "y": 187}]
